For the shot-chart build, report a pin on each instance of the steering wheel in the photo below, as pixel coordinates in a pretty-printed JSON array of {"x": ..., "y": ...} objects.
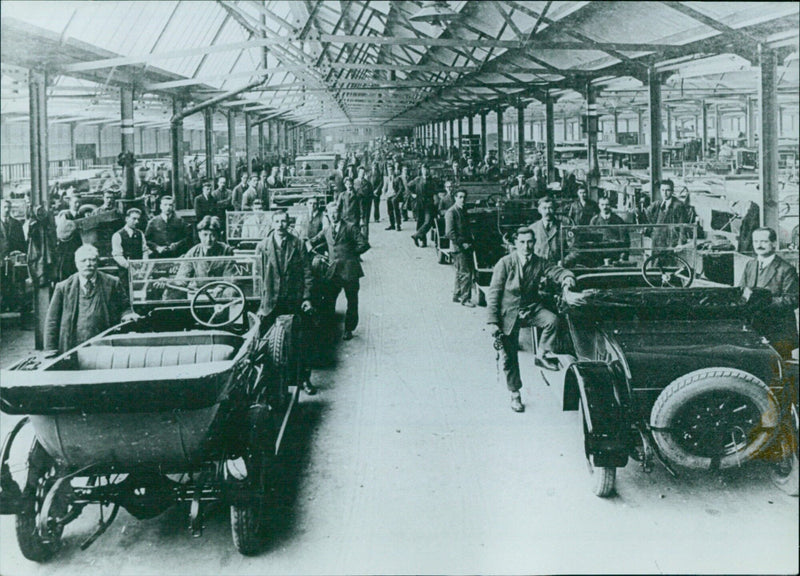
[
  {"x": 672, "y": 271},
  {"x": 207, "y": 297},
  {"x": 494, "y": 200}
]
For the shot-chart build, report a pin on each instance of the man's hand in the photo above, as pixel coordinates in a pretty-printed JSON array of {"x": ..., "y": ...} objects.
[
  {"x": 496, "y": 331},
  {"x": 306, "y": 306},
  {"x": 130, "y": 317},
  {"x": 574, "y": 298}
]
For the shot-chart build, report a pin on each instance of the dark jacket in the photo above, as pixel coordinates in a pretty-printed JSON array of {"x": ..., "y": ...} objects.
[
  {"x": 174, "y": 234},
  {"x": 777, "y": 322},
  {"x": 674, "y": 214},
  {"x": 504, "y": 297},
  {"x": 292, "y": 280},
  {"x": 205, "y": 206},
  {"x": 344, "y": 249},
  {"x": 457, "y": 229},
  {"x": 582, "y": 214},
  {"x": 349, "y": 207},
  {"x": 12, "y": 238},
  {"x": 425, "y": 191},
  {"x": 62, "y": 314}
]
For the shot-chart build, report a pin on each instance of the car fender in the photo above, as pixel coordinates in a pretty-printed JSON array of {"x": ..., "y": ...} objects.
[{"x": 602, "y": 390}]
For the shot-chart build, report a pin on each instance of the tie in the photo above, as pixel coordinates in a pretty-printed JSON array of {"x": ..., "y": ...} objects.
[{"x": 88, "y": 289}]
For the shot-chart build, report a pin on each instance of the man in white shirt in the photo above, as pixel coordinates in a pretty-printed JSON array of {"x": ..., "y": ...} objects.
[{"x": 128, "y": 243}]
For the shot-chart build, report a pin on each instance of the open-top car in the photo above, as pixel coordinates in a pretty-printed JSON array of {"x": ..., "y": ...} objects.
[
  {"x": 187, "y": 403},
  {"x": 669, "y": 366}
]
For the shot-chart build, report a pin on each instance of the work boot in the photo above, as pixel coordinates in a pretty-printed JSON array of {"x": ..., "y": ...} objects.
[{"x": 516, "y": 402}]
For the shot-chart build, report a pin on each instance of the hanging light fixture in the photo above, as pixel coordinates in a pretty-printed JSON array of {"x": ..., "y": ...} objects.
[{"x": 437, "y": 12}]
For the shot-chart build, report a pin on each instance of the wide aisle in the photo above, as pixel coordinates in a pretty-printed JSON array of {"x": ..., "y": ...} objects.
[{"x": 411, "y": 461}]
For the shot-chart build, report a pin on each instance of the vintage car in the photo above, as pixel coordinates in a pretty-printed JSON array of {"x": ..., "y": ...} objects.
[
  {"x": 188, "y": 403},
  {"x": 667, "y": 365}
]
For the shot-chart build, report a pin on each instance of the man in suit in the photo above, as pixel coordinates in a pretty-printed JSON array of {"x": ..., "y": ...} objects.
[
  {"x": 460, "y": 236},
  {"x": 547, "y": 230},
  {"x": 286, "y": 273},
  {"x": 669, "y": 211},
  {"x": 583, "y": 209},
  {"x": 423, "y": 192},
  {"x": 349, "y": 204},
  {"x": 167, "y": 234},
  {"x": 204, "y": 203},
  {"x": 12, "y": 240},
  {"x": 362, "y": 188},
  {"x": 69, "y": 238},
  {"x": 85, "y": 304},
  {"x": 345, "y": 244},
  {"x": 616, "y": 240},
  {"x": 513, "y": 299},
  {"x": 770, "y": 271},
  {"x": 520, "y": 189},
  {"x": 238, "y": 192}
]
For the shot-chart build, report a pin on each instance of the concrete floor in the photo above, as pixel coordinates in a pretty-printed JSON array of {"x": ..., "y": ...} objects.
[{"x": 409, "y": 460}]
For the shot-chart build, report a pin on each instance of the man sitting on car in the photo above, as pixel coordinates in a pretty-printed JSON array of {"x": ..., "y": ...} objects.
[
  {"x": 615, "y": 239},
  {"x": 770, "y": 271}
]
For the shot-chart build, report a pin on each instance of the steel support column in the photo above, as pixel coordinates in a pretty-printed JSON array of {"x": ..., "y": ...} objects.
[
  {"x": 654, "y": 87},
  {"x": 704, "y": 119},
  {"x": 520, "y": 136},
  {"x": 261, "y": 143},
  {"x": 550, "y": 130},
  {"x": 616, "y": 126},
  {"x": 208, "y": 135},
  {"x": 750, "y": 112},
  {"x": 768, "y": 140},
  {"x": 640, "y": 126},
  {"x": 126, "y": 131},
  {"x": 484, "y": 150},
  {"x": 592, "y": 125},
  {"x": 37, "y": 108},
  {"x": 669, "y": 126},
  {"x": 717, "y": 131},
  {"x": 232, "y": 176},
  {"x": 500, "y": 160},
  {"x": 248, "y": 142},
  {"x": 176, "y": 152},
  {"x": 470, "y": 124},
  {"x": 460, "y": 134}
]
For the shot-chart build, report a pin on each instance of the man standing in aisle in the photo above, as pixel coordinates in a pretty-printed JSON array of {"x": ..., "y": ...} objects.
[
  {"x": 362, "y": 188},
  {"x": 423, "y": 192},
  {"x": 349, "y": 204},
  {"x": 12, "y": 240},
  {"x": 514, "y": 300},
  {"x": 287, "y": 285},
  {"x": 345, "y": 245},
  {"x": 583, "y": 209},
  {"x": 460, "y": 236}
]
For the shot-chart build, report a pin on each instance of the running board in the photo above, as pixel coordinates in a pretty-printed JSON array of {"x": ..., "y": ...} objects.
[{"x": 294, "y": 392}]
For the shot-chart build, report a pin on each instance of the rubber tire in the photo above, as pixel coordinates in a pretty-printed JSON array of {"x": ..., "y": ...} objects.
[
  {"x": 442, "y": 257},
  {"x": 279, "y": 345},
  {"x": 786, "y": 473},
  {"x": 247, "y": 528},
  {"x": 31, "y": 544},
  {"x": 687, "y": 388},
  {"x": 604, "y": 479}
]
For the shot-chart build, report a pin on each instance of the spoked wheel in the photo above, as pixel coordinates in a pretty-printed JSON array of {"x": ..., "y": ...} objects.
[
  {"x": 250, "y": 507},
  {"x": 714, "y": 418},
  {"x": 604, "y": 479},
  {"x": 667, "y": 270},
  {"x": 38, "y": 543},
  {"x": 785, "y": 472},
  {"x": 217, "y": 304}
]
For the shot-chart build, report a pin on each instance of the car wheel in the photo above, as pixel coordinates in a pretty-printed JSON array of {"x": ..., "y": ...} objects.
[
  {"x": 33, "y": 544},
  {"x": 713, "y": 418},
  {"x": 604, "y": 479},
  {"x": 442, "y": 257},
  {"x": 785, "y": 472}
]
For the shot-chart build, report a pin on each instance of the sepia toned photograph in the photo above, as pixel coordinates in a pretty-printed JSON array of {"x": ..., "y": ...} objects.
[{"x": 413, "y": 287}]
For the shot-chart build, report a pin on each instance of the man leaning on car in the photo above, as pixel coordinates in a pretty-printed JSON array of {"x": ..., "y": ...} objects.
[
  {"x": 514, "y": 296},
  {"x": 770, "y": 271}
]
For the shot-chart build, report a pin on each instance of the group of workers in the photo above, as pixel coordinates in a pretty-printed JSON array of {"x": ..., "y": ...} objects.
[{"x": 307, "y": 271}]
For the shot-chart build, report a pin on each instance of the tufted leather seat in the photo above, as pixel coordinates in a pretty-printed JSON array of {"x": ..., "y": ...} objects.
[{"x": 121, "y": 357}]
